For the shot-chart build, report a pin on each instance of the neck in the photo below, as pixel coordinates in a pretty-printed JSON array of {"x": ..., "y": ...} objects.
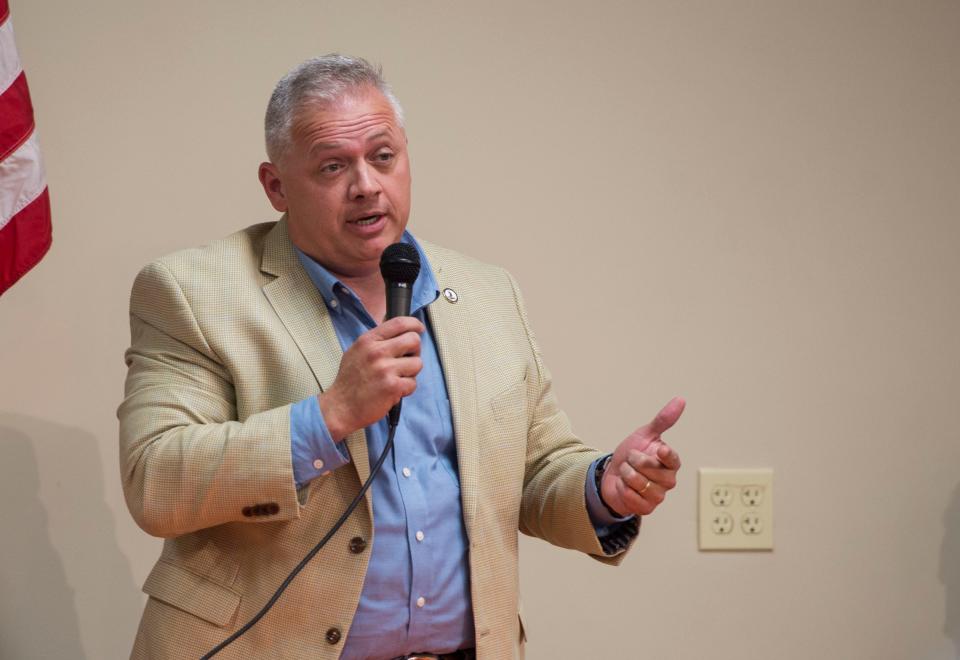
[{"x": 371, "y": 291}]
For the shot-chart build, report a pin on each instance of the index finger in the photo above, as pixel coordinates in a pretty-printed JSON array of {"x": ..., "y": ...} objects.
[
  {"x": 668, "y": 457},
  {"x": 667, "y": 416},
  {"x": 397, "y": 326}
]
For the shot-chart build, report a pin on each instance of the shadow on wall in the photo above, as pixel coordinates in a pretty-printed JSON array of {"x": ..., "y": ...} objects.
[
  {"x": 61, "y": 570},
  {"x": 950, "y": 568}
]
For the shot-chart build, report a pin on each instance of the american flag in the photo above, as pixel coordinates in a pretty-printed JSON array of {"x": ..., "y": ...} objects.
[{"x": 24, "y": 202}]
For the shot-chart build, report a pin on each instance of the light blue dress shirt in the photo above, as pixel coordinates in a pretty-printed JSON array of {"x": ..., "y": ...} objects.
[{"x": 416, "y": 595}]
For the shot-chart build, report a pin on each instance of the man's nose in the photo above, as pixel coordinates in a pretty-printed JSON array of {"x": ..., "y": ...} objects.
[{"x": 364, "y": 183}]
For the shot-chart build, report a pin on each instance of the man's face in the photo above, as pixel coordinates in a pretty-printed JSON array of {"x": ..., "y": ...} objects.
[{"x": 344, "y": 182}]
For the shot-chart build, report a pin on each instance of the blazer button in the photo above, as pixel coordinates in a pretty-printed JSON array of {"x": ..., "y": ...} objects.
[
  {"x": 357, "y": 545},
  {"x": 333, "y": 635}
]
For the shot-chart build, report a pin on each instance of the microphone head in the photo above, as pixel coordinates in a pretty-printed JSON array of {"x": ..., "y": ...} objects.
[{"x": 400, "y": 262}]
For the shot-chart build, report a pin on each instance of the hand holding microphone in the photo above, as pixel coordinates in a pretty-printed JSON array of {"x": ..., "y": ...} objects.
[{"x": 380, "y": 368}]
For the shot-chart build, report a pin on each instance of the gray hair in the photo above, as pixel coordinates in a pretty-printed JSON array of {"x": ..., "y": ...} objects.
[{"x": 320, "y": 80}]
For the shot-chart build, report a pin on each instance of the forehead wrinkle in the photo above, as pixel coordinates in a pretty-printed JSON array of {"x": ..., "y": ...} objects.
[{"x": 335, "y": 133}]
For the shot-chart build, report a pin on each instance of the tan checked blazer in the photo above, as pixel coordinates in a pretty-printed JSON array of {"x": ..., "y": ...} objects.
[{"x": 224, "y": 339}]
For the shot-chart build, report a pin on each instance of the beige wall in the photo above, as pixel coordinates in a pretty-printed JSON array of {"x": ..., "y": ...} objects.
[{"x": 754, "y": 204}]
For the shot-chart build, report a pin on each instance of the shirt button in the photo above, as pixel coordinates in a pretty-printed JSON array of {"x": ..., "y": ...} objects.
[
  {"x": 421, "y": 601},
  {"x": 406, "y": 472},
  {"x": 318, "y": 464},
  {"x": 333, "y": 302},
  {"x": 419, "y": 535}
]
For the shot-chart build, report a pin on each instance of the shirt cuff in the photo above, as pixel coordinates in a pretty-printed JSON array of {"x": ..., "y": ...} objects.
[
  {"x": 604, "y": 522},
  {"x": 312, "y": 449}
]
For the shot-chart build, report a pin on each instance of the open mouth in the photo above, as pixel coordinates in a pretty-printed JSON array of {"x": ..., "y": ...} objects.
[{"x": 366, "y": 220}]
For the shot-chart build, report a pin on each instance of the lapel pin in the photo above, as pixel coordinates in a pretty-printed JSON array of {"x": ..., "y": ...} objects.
[{"x": 451, "y": 295}]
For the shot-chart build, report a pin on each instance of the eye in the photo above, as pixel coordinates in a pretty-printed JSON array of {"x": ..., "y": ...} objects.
[
  {"x": 331, "y": 168},
  {"x": 384, "y": 156}
]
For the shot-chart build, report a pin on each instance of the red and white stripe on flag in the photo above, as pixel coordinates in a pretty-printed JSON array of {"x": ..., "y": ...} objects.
[{"x": 25, "y": 232}]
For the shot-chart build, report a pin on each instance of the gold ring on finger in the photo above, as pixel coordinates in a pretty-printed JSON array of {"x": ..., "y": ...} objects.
[{"x": 644, "y": 489}]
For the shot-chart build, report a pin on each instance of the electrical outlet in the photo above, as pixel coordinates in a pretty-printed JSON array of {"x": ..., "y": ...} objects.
[
  {"x": 736, "y": 509},
  {"x": 721, "y": 496},
  {"x": 751, "y": 524},
  {"x": 751, "y": 496},
  {"x": 722, "y": 523}
]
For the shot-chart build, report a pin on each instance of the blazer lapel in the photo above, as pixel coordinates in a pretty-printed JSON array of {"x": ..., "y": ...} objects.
[
  {"x": 303, "y": 312},
  {"x": 451, "y": 333}
]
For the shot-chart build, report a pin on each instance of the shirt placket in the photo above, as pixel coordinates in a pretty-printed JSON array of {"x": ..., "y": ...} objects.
[
  {"x": 406, "y": 454},
  {"x": 410, "y": 481}
]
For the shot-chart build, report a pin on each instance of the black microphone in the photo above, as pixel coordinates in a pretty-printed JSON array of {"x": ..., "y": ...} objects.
[{"x": 399, "y": 266}]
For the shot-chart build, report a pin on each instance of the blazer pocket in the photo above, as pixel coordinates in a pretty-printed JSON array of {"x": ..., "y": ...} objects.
[{"x": 187, "y": 591}]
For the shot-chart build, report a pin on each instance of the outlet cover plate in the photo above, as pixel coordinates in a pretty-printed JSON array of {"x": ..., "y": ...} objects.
[{"x": 745, "y": 495}]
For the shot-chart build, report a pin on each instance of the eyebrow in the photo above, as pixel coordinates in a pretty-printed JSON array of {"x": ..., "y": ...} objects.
[{"x": 324, "y": 146}]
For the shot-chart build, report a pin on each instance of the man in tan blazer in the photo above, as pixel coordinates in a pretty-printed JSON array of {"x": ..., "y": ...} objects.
[{"x": 227, "y": 338}]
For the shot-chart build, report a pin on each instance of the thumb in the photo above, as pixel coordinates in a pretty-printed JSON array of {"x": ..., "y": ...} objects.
[{"x": 667, "y": 416}]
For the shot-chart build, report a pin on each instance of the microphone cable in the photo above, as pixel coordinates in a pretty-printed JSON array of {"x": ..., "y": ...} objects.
[
  {"x": 310, "y": 555},
  {"x": 400, "y": 267}
]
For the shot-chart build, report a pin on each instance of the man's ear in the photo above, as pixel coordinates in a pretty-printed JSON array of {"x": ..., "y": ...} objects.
[{"x": 273, "y": 186}]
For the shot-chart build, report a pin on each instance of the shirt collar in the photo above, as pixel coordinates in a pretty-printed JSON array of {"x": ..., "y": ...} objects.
[{"x": 425, "y": 289}]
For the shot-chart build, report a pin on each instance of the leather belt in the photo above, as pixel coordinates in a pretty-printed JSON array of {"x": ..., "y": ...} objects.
[{"x": 462, "y": 654}]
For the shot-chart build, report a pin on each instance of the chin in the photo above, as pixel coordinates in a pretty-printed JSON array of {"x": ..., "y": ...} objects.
[
  {"x": 371, "y": 248},
  {"x": 389, "y": 237},
  {"x": 375, "y": 248}
]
